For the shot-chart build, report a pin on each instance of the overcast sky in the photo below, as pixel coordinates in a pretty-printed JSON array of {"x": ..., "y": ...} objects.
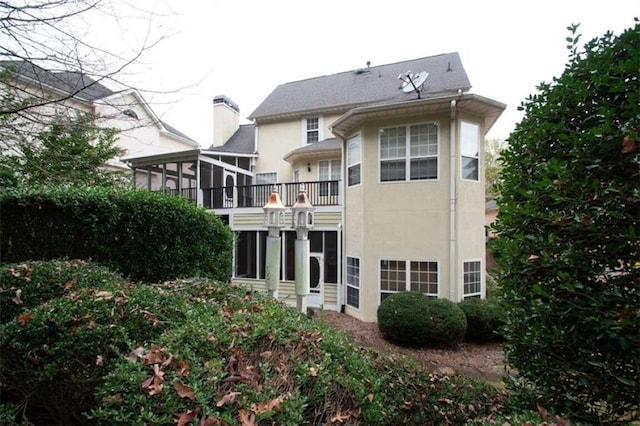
[{"x": 244, "y": 49}]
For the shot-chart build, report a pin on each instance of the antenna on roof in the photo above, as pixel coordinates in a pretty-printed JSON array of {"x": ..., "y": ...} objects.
[{"x": 413, "y": 82}]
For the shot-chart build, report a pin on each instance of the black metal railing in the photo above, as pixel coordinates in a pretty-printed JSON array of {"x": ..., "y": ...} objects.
[{"x": 320, "y": 193}]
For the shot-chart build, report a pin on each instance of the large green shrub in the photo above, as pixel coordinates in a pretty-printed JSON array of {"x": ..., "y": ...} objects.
[
  {"x": 145, "y": 235},
  {"x": 26, "y": 285},
  {"x": 484, "y": 319},
  {"x": 447, "y": 323},
  {"x": 568, "y": 229},
  {"x": 413, "y": 319},
  {"x": 206, "y": 353},
  {"x": 55, "y": 354},
  {"x": 403, "y": 318}
]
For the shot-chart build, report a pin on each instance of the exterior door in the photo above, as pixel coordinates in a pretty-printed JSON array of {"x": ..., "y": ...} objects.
[
  {"x": 316, "y": 280},
  {"x": 229, "y": 185}
]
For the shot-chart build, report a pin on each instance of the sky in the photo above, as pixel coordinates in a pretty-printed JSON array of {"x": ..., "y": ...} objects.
[{"x": 244, "y": 49}]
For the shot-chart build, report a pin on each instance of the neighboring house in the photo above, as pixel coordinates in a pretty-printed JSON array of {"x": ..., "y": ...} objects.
[
  {"x": 394, "y": 172},
  {"x": 490, "y": 215},
  {"x": 141, "y": 132}
]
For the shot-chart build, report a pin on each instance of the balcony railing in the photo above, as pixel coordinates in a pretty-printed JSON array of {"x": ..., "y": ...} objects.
[{"x": 320, "y": 193}]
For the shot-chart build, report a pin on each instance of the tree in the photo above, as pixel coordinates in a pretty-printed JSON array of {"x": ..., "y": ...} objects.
[
  {"x": 568, "y": 233},
  {"x": 48, "y": 42},
  {"x": 71, "y": 151},
  {"x": 492, "y": 167}
]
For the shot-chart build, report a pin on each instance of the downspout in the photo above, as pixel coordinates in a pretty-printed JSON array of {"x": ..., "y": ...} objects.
[
  {"x": 341, "y": 290},
  {"x": 453, "y": 219}
]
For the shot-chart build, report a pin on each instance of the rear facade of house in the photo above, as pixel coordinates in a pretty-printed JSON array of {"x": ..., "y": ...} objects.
[{"x": 391, "y": 159}]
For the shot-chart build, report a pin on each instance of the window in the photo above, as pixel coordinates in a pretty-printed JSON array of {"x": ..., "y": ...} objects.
[
  {"x": 260, "y": 194},
  {"x": 353, "y": 282},
  {"x": 469, "y": 151},
  {"x": 329, "y": 170},
  {"x": 353, "y": 161},
  {"x": 313, "y": 129},
  {"x": 424, "y": 277},
  {"x": 266, "y": 178},
  {"x": 409, "y": 153},
  {"x": 472, "y": 279},
  {"x": 401, "y": 275}
]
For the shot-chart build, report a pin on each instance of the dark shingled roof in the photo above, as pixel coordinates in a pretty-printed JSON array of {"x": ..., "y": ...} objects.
[
  {"x": 78, "y": 84},
  {"x": 376, "y": 85},
  {"x": 242, "y": 141}
]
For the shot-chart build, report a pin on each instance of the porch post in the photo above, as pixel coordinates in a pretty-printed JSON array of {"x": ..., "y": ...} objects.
[
  {"x": 302, "y": 213},
  {"x": 274, "y": 221}
]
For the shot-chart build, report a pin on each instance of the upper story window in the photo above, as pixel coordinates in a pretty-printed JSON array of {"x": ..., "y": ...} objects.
[
  {"x": 266, "y": 178},
  {"x": 409, "y": 153},
  {"x": 469, "y": 151},
  {"x": 353, "y": 161},
  {"x": 329, "y": 170},
  {"x": 313, "y": 129}
]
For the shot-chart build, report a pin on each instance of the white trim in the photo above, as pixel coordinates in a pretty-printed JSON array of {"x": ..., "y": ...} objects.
[
  {"x": 305, "y": 131},
  {"x": 357, "y": 136},
  {"x": 407, "y": 271},
  {"x": 407, "y": 153},
  {"x": 359, "y": 288},
  {"x": 478, "y": 146},
  {"x": 482, "y": 279}
]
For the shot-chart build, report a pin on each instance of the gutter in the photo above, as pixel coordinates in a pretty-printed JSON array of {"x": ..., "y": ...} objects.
[{"x": 453, "y": 215}]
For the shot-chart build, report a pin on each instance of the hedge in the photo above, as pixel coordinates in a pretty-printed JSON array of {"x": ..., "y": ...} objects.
[{"x": 144, "y": 235}]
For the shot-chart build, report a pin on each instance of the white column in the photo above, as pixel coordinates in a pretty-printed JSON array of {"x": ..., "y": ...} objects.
[
  {"x": 302, "y": 269},
  {"x": 272, "y": 267}
]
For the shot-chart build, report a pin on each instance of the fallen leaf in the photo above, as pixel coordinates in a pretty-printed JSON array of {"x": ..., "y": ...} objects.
[
  {"x": 99, "y": 360},
  {"x": 313, "y": 372},
  {"x": 274, "y": 404},
  {"x": 543, "y": 412},
  {"x": 182, "y": 368},
  {"x": 211, "y": 421},
  {"x": 17, "y": 300},
  {"x": 227, "y": 399},
  {"x": 69, "y": 285},
  {"x": 187, "y": 417},
  {"x": 339, "y": 418},
  {"x": 184, "y": 391},
  {"x": 246, "y": 418},
  {"x": 154, "y": 356},
  {"x": 629, "y": 145},
  {"x": 370, "y": 397},
  {"x": 154, "y": 383},
  {"x": 24, "y": 318},
  {"x": 135, "y": 354},
  {"x": 104, "y": 295}
]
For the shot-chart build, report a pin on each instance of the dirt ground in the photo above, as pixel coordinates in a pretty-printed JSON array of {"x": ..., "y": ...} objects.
[{"x": 482, "y": 361}]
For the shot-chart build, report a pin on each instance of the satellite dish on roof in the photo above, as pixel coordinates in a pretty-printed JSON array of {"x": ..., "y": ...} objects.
[{"x": 413, "y": 82}]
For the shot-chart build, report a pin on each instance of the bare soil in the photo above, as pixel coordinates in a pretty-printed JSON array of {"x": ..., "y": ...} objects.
[{"x": 481, "y": 361}]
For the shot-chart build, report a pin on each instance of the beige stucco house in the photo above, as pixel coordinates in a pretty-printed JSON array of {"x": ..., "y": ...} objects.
[
  {"x": 391, "y": 158},
  {"x": 48, "y": 92}
]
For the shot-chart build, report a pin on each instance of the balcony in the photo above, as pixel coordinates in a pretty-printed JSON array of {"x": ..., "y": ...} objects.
[{"x": 320, "y": 193}]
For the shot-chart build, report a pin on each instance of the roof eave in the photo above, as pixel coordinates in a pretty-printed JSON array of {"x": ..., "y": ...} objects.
[{"x": 353, "y": 118}]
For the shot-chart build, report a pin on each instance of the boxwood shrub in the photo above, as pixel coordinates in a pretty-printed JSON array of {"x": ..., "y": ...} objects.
[
  {"x": 484, "y": 319},
  {"x": 146, "y": 236},
  {"x": 413, "y": 319}
]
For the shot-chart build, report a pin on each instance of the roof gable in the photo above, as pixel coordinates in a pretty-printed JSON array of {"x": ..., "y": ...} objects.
[
  {"x": 68, "y": 82},
  {"x": 241, "y": 142},
  {"x": 375, "y": 85}
]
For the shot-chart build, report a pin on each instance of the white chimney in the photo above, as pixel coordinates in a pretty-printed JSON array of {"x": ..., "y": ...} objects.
[{"x": 226, "y": 119}]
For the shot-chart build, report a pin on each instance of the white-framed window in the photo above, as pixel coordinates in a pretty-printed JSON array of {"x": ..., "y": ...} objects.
[
  {"x": 472, "y": 278},
  {"x": 353, "y": 161},
  {"x": 312, "y": 129},
  {"x": 329, "y": 170},
  {"x": 469, "y": 151},
  {"x": 409, "y": 153},
  {"x": 408, "y": 275},
  {"x": 353, "y": 282},
  {"x": 266, "y": 178},
  {"x": 261, "y": 193}
]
